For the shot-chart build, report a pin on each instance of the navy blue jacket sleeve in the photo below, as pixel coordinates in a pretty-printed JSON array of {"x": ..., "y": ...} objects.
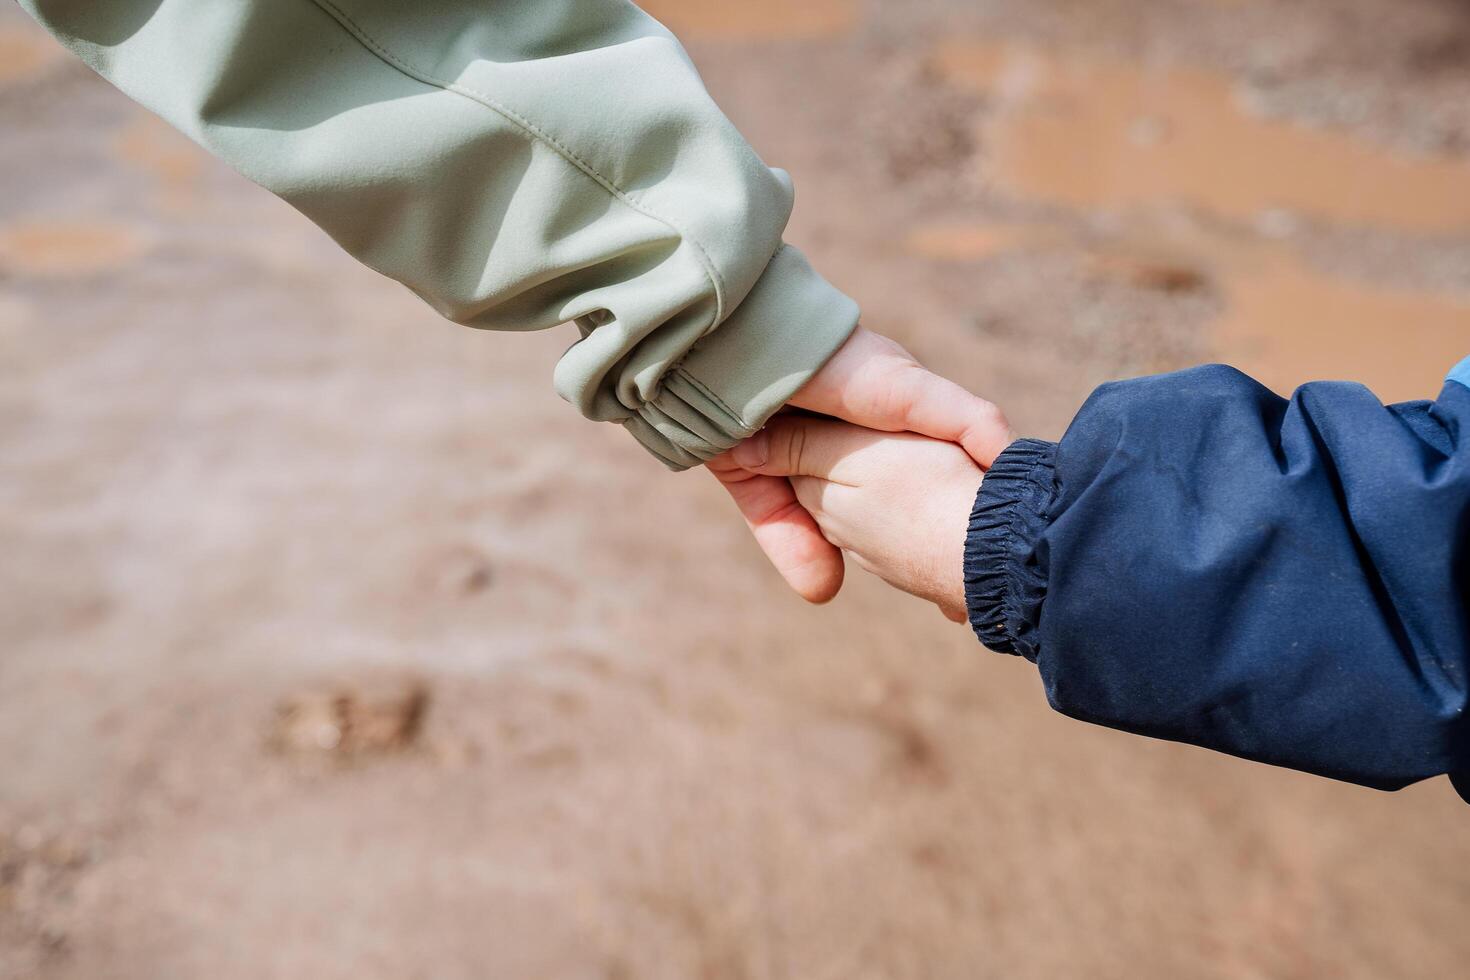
[{"x": 1202, "y": 560}]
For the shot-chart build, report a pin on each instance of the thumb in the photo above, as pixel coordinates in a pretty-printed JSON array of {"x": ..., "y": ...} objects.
[{"x": 792, "y": 445}]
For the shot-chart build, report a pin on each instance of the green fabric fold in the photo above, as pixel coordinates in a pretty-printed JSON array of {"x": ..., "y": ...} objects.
[{"x": 518, "y": 165}]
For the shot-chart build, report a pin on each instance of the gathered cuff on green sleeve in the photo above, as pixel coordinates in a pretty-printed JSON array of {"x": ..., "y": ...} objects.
[{"x": 732, "y": 381}]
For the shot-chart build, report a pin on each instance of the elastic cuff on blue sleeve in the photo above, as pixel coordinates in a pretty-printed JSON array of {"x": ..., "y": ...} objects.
[{"x": 1005, "y": 582}]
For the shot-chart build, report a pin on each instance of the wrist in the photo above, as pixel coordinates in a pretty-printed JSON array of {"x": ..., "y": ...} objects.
[{"x": 949, "y": 591}]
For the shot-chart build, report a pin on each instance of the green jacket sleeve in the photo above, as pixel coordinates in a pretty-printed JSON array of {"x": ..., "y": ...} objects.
[{"x": 518, "y": 164}]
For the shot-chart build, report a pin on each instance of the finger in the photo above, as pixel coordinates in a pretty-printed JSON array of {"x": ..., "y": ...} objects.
[
  {"x": 873, "y": 382},
  {"x": 784, "y": 531},
  {"x": 900, "y": 395},
  {"x": 941, "y": 409},
  {"x": 793, "y": 445},
  {"x": 847, "y": 387}
]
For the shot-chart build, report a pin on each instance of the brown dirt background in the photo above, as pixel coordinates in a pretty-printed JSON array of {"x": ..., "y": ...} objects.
[{"x": 332, "y": 644}]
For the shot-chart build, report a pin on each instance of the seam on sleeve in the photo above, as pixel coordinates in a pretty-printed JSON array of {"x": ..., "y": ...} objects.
[
  {"x": 530, "y": 130},
  {"x": 704, "y": 390},
  {"x": 700, "y": 386}
]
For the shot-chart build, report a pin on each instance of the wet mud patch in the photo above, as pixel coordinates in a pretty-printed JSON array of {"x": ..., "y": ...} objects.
[
  {"x": 39, "y": 873},
  {"x": 924, "y": 127},
  {"x": 351, "y": 720}
]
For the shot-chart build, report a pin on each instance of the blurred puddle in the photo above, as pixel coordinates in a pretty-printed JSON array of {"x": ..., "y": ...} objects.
[
  {"x": 68, "y": 247},
  {"x": 1147, "y": 144},
  {"x": 1091, "y": 133},
  {"x": 754, "y": 20},
  {"x": 1286, "y": 324},
  {"x": 25, "y": 53}
]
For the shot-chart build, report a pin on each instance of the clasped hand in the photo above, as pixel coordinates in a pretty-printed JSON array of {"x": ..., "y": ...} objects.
[{"x": 888, "y": 478}]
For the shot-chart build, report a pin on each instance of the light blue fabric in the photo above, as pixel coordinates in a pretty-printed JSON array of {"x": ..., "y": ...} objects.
[{"x": 1460, "y": 374}]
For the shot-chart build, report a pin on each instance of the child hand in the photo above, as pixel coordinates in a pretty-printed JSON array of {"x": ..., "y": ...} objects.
[
  {"x": 873, "y": 382},
  {"x": 899, "y": 504}
]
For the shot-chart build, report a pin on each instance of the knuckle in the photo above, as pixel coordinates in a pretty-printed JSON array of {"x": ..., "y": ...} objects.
[
  {"x": 894, "y": 349},
  {"x": 796, "y": 448},
  {"x": 991, "y": 414},
  {"x": 903, "y": 388}
]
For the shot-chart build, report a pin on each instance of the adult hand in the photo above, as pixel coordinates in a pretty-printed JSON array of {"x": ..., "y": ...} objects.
[{"x": 873, "y": 382}]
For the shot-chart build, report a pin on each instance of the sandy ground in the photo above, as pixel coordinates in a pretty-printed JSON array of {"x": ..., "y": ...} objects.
[{"x": 332, "y": 644}]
